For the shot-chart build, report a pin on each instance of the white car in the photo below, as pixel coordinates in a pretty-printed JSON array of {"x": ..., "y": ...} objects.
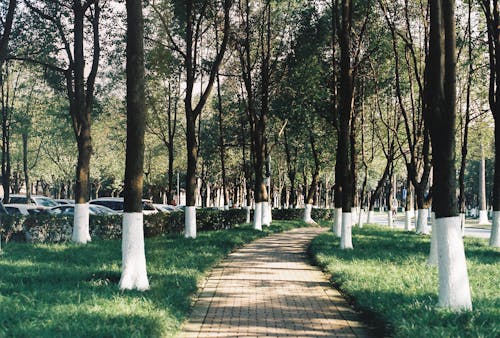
[
  {"x": 116, "y": 203},
  {"x": 23, "y": 209},
  {"x": 38, "y": 200},
  {"x": 165, "y": 207},
  {"x": 69, "y": 210}
]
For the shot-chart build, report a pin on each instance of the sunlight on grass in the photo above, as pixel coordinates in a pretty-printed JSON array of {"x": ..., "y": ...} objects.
[
  {"x": 69, "y": 290},
  {"x": 387, "y": 276}
]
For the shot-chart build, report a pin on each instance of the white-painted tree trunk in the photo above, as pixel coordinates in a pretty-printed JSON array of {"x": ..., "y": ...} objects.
[
  {"x": 270, "y": 213},
  {"x": 190, "y": 222},
  {"x": 257, "y": 216},
  {"x": 307, "y": 215},
  {"x": 248, "y": 209},
  {"x": 354, "y": 214},
  {"x": 390, "y": 219},
  {"x": 266, "y": 214},
  {"x": 81, "y": 231},
  {"x": 134, "y": 275},
  {"x": 371, "y": 217},
  {"x": 433, "y": 253},
  {"x": 337, "y": 222},
  {"x": 462, "y": 223},
  {"x": 346, "y": 237},
  {"x": 360, "y": 220},
  {"x": 483, "y": 217},
  {"x": 495, "y": 230},
  {"x": 454, "y": 290},
  {"x": 422, "y": 227},
  {"x": 408, "y": 218},
  {"x": 226, "y": 207}
]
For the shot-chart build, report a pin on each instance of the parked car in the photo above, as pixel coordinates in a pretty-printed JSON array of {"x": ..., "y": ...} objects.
[
  {"x": 39, "y": 200},
  {"x": 116, "y": 203},
  {"x": 69, "y": 210},
  {"x": 23, "y": 209},
  {"x": 64, "y": 201},
  {"x": 165, "y": 207}
]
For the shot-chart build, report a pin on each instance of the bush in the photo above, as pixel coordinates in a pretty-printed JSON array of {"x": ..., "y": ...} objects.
[
  {"x": 294, "y": 214},
  {"x": 57, "y": 229},
  {"x": 11, "y": 226}
]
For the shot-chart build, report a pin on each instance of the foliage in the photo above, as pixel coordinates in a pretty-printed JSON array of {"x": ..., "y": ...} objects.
[
  {"x": 388, "y": 278},
  {"x": 57, "y": 229},
  {"x": 295, "y": 214}
]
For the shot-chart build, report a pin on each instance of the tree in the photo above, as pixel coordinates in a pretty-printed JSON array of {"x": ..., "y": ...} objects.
[
  {"x": 257, "y": 120},
  {"x": 66, "y": 24},
  {"x": 193, "y": 14},
  {"x": 417, "y": 152},
  {"x": 491, "y": 9},
  {"x": 9, "y": 82},
  {"x": 134, "y": 275},
  {"x": 454, "y": 291},
  {"x": 345, "y": 111},
  {"x": 6, "y": 29}
]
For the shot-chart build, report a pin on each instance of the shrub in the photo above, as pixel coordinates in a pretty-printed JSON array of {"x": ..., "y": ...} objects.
[
  {"x": 11, "y": 226},
  {"x": 294, "y": 214},
  {"x": 57, "y": 229}
]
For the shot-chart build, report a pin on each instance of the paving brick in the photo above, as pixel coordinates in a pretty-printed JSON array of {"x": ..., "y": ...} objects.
[{"x": 268, "y": 289}]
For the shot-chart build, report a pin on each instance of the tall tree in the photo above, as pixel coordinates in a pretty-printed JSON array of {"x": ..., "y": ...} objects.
[
  {"x": 9, "y": 82},
  {"x": 491, "y": 9},
  {"x": 416, "y": 153},
  {"x": 345, "y": 111},
  {"x": 465, "y": 121},
  {"x": 454, "y": 291},
  {"x": 68, "y": 23},
  {"x": 256, "y": 119},
  {"x": 134, "y": 275},
  {"x": 195, "y": 12},
  {"x": 6, "y": 29}
]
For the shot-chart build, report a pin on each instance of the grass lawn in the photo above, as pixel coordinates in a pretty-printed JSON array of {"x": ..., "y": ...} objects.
[
  {"x": 386, "y": 275},
  {"x": 69, "y": 290}
]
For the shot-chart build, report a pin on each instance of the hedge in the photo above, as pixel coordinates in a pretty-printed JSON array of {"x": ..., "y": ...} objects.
[
  {"x": 294, "y": 214},
  {"x": 56, "y": 229}
]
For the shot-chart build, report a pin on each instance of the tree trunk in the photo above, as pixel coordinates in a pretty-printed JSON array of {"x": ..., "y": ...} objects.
[
  {"x": 7, "y": 29},
  {"x": 221, "y": 145},
  {"x": 81, "y": 95},
  {"x": 26, "y": 167},
  {"x": 454, "y": 291},
  {"x": 134, "y": 275},
  {"x": 495, "y": 229},
  {"x": 291, "y": 170},
  {"x": 172, "y": 126},
  {"x": 492, "y": 14},
  {"x": 465, "y": 124},
  {"x": 192, "y": 40},
  {"x": 312, "y": 189},
  {"x": 6, "y": 120},
  {"x": 343, "y": 151},
  {"x": 483, "y": 213}
]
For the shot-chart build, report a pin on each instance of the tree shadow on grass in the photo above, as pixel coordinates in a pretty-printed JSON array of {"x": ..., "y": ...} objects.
[
  {"x": 35, "y": 278},
  {"x": 384, "y": 262}
]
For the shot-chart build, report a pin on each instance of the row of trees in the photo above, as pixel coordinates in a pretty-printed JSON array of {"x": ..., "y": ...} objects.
[
  {"x": 298, "y": 85},
  {"x": 163, "y": 102}
]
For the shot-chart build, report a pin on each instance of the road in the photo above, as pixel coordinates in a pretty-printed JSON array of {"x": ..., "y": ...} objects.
[{"x": 381, "y": 218}]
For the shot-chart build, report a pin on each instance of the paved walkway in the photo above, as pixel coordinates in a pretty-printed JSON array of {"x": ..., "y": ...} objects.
[{"x": 268, "y": 289}]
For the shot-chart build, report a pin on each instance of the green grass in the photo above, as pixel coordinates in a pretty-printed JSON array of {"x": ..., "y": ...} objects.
[
  {"x": 387, "y": 277},
  {"x": 69, "y": 290}
]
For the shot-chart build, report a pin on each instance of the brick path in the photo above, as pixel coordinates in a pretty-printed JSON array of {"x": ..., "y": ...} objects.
[{"x": 268, "y": 289}]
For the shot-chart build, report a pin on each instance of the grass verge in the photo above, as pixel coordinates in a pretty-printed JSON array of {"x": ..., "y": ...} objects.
[
  {"x": 69, "y": 290},
  {"x": 387, "y": 277}
]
